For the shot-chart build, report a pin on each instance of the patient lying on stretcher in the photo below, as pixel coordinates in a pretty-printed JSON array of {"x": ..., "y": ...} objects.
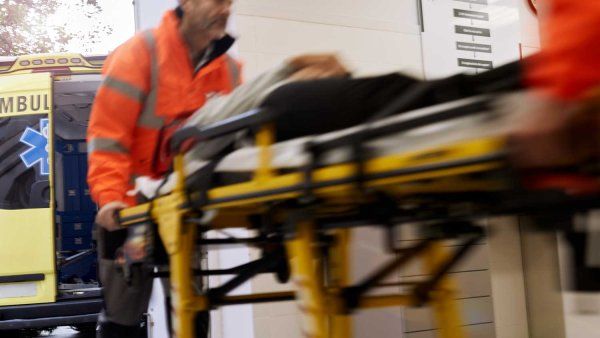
[{"x": 324, "y": 108}]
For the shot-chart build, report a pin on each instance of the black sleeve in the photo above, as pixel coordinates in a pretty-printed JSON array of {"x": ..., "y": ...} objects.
[{"x": 321, "y": 106}]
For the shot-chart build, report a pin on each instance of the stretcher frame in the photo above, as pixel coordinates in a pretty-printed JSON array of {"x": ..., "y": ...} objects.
[{"x": 307, "y": 215}]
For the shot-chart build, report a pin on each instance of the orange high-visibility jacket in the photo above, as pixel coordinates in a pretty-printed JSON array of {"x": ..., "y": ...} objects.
[
  {"x": 569, "y": 64},
  {"x": 149, "y": 82}
]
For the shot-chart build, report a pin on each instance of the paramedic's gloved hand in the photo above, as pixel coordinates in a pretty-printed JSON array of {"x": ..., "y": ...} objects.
[
  {"x": 106, "y": 216},
  {"x": 317, "y": 66},
  {"x": 551, "y": 133}
]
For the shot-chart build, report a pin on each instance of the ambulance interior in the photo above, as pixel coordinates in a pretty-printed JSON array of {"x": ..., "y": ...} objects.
[{"x": 75, "y": 211}]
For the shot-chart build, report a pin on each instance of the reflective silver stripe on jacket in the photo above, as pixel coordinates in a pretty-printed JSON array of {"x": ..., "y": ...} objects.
[
  {"x": 148, "y": 117},
  {"x": 106, "y": 144},
  {"x": 124, "y": 88},
  {"x": 234, "y": 71}
]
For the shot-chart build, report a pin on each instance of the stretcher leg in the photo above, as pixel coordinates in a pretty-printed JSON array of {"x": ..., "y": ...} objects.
[
  {"x": 308, "y": 280},
  {"x": 443, "y": 298},
  {"x": 339, "y": 278},
  {"x": 179, "y": 239},
  {"x": 182, "y": 288}
]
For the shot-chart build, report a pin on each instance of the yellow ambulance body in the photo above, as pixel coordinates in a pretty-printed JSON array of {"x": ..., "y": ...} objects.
[{"x": 47, "y": 256}]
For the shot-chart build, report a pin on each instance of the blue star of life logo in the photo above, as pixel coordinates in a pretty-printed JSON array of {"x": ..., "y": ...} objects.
[{"x": 38, "y": 147}]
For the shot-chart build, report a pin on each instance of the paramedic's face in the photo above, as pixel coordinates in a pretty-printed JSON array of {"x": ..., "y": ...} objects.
[{"x": 209, "y": 16}]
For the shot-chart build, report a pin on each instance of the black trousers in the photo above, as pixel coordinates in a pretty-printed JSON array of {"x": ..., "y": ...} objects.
[
  {"x": 125, "y": 302},
  {"x": 321, "y": 106}
]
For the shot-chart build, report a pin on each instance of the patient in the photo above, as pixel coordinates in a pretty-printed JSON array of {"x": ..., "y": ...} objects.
[{"x": 324, "y": 105}]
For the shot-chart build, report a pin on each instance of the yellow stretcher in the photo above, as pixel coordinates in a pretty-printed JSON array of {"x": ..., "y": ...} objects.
[{"x": 304, "y": 215}]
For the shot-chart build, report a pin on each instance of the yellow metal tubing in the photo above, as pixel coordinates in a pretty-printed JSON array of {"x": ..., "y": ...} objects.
[
  {"x": 264, "y": 140},
  {"x": 183, "y": 299},
  {"x": 454, "y": 152},
  {"x": 179, "y": 239},
  {"x": 339, "y": 277},
  {"x": 179, "y": 168},
  {"x": 401, "y": 184},
  {"x": 443, "y": 298},
  {"x": 372, "y": 302},
  {"x": 310, "y": 295}
]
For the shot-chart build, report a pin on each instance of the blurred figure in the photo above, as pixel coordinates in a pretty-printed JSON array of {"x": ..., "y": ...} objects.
[{"x": 563, "y": 126}]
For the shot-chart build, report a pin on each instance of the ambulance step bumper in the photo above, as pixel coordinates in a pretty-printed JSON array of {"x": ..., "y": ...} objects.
[{"x": 62, "y": 313}]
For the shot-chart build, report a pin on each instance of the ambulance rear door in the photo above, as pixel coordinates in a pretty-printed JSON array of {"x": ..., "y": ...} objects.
[{"x": 27, "y": 240}]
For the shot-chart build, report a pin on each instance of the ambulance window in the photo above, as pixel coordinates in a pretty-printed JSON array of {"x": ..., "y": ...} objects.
[
  {"x": 62, "y": 61},
  {"x": 24, "y": 63},
  {"x": 50, "y": 61},
  {"x": 37, "y": 62}
]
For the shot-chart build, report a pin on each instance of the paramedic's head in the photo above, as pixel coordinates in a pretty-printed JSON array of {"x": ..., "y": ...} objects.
[{"x": 206, "y": 17}]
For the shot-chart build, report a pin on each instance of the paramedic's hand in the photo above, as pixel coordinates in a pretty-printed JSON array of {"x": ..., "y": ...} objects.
[
  {"x": 555, "y": 134},
  {"x": 106, "y": 216},
  {"x": 317, "y": 66}
]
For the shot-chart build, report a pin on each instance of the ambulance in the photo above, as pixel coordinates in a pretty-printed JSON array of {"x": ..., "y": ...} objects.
[{"x": 48, "y": 260}]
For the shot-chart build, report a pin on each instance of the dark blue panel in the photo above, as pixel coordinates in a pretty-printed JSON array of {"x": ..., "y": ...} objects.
[
  {"x": 66, "y": 216},
  {"x": 76, "y": 229},
  {"x": 70, "y": 147},
  {"x": 76, "y": 243},
  {"x": 72, "y": 189},
  {"x": 87, "y": 205}
]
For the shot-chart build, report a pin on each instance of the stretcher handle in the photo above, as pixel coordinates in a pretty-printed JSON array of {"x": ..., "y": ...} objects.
[{"x": 251, "y": 119}]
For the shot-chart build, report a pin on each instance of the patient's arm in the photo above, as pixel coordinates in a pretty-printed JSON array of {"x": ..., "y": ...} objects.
[
  {"x": 243, "y": 98},
  {"x": 251, "y": 94}
]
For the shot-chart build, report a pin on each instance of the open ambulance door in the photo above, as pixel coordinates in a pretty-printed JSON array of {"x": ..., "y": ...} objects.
[{"x": 27, "y": 244}]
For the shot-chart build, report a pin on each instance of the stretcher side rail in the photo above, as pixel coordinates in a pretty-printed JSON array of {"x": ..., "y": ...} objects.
[
  {"x": 248, "y": 120},
  {"x": 262, "y": 119},
  {"x": 256, "y": 118}
]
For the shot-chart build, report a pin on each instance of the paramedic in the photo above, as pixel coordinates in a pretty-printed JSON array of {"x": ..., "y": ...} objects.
[
  {"x": 561, "y": 130},
  {"x": 150, "y": 82}
]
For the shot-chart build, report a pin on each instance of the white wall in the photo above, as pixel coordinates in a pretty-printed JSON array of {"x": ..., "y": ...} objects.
[
  {"x": 372, "y": 36},
  {"x": 530, "y": 31},
  {"x": 488, "y": 33},
  {"x": 231, "y": 321}
]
